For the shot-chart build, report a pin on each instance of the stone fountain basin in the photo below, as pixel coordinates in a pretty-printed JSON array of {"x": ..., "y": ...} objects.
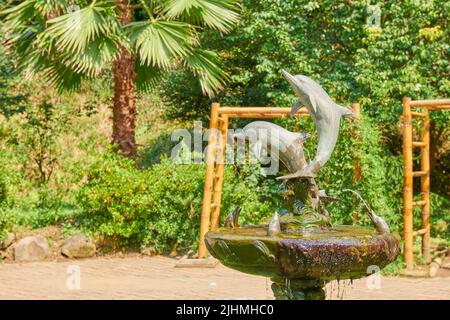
[{"x": 338, "y": 252}]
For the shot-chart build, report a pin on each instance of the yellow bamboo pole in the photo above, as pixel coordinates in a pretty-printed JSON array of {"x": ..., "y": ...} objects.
[
  {"x": 425, "y": 186},
  {"x": 356, "y": 166},
  {"x": 208, "y": 187},
  {"x": 407, "y": 184},
  {"x": 218, "y": 178}
]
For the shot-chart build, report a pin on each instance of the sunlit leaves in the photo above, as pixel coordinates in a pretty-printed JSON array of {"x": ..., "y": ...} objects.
[
  {"x": 94, "y": 58},
  {"x": 216, "y": 14},
  {"x": 147, "y": 77},
  {"x": 158, "y": 43},
  {"x": 74, "y": 31},
  {"x": 206, "y": 65},
  {"x": 62, "y": 77},
  {"x": 64, "y": 39}
]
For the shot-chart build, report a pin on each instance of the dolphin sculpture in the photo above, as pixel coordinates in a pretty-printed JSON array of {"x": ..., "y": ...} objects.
[
  {"x": 284, "y": 145},
  {"x": 326, "y": 198},
  {"x": 326, "y": 115},
  {"x": 274, "y": 225},
  {"x": 232, "y": 220}
]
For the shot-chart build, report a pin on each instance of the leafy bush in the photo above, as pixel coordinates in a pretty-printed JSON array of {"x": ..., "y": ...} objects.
[
  {"x": 6, "y": 223},
  {"x": 161, "y": 206}
]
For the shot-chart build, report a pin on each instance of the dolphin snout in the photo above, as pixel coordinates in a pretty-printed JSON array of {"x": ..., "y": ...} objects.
[{"x": 290, "y": 78}]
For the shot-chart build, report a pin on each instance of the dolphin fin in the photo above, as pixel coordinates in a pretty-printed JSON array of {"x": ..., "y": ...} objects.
[
  {"x": 313, "y": 102},
  {"x": 302, "y": 174},
  {"x": 295, "y": 107},
  {"x": 344, "y": 111}
]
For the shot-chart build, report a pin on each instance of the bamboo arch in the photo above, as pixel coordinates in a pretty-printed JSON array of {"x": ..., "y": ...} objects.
[
  {"x": 212, "y": 192},
  {"x": 423, "y": 173}
]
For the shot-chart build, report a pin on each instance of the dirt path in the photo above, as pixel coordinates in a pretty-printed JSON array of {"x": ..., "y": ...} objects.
[{"x": 156, "y": 278}]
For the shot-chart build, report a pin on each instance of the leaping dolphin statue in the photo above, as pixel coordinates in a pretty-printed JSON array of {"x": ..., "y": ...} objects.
[
  {"x": 283, "y": 145},
  {"x": 326, "y": 115}
]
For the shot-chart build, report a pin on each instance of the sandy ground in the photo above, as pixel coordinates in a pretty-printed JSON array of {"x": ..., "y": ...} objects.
[{"x": 140, "y": 277}]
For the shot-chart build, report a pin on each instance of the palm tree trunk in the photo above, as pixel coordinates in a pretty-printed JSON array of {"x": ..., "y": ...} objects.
[{"x": 124, "y": 109}]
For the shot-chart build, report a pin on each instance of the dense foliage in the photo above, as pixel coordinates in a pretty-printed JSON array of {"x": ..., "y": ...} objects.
[
  {"x": 56, "y": 166},
  {"x": 160, "y": 207}
]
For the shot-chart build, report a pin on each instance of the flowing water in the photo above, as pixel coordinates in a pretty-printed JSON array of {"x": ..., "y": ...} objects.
[{"x": 364, "y": 202}]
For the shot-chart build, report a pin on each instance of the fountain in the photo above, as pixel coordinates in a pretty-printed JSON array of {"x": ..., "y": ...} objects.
[{"x": 299, "y": 249}]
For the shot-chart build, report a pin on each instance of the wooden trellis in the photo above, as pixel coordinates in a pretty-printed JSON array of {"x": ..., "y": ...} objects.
[
  {"x": 424, "y": 173},
  {"x": 215, "y": 158}
]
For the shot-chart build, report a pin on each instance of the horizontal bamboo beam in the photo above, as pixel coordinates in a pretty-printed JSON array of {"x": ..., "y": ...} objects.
[
  {"x": 262, "y": 115},
  {"x": 429, "y": 103},
  {"x": 259, "y": 110},
  {"x": 435, "y": 108},
  {"x": 418, "y": 144},
  {"x": 420, "y": 232},
  {"x": 419, "y": 203},
  {"x": 419, "y": 173},
  {"x": 417, "y": 114}
]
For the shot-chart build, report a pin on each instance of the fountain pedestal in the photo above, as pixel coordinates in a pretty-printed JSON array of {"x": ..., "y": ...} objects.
[{"x": 285, "y": 289}]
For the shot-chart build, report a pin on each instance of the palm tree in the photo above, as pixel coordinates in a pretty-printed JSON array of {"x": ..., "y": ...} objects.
[{"x": 68, "y": 41}]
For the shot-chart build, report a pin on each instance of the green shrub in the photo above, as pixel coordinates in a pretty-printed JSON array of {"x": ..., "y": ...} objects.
[
  {"x": 161, "y": 206},
  {"x": 3, "y": 191},
  {"x": 6, "y": 222}
]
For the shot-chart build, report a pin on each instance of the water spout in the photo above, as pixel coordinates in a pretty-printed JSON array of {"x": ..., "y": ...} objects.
[{"x": 379, "y": 222}]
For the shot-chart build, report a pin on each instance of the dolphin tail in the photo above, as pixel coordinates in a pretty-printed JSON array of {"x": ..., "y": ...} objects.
[
  {"x": 294, "y": 108},
  {"x": 305, "y": 173}
]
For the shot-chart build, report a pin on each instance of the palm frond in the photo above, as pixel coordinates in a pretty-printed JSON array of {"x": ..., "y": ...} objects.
[
  {"x": 98, "y": 55},
  {"x": 158, "y": 42},
  {"x": 76, "y": 30},
  {"x": 207, "y": 66},
  {"x": 62, "y": 77},
  {"x": 17, "y": 16},
  {"x": 30, "y": 10},
  {"x": 219, "y": 15},
  {"x": 147, "y": 77},
  {"x": 47, "y": 7}
]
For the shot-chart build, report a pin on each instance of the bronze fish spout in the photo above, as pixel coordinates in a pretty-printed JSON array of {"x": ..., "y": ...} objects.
[
  {"x": 232, "y": 220},
  {"x": 380, "y": 224}
]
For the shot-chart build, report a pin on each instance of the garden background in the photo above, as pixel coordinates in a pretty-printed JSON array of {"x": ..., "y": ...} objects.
[{"x": 57, "y": 167}]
